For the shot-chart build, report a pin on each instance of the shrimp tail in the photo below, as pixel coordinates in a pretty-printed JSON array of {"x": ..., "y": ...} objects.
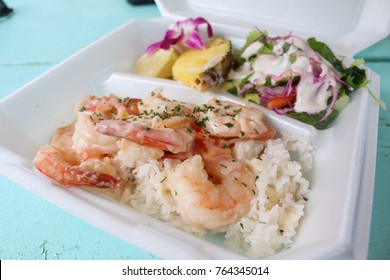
[
  {"x": 135, "y": 132},
  {"x": 165, "y": 139},
  {"x": 211, "y": 189},
  {"x": 269, "y": 134},
  {"x": 49, "y": 161}
]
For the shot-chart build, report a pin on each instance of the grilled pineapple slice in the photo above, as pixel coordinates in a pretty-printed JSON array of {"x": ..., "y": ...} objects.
[
  {"x": 157, "y": 64},
  {"x": 204, "y": 69}
]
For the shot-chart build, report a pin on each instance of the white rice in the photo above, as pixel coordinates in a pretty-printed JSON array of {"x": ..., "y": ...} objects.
[
  {"x": 275, "y": 212},
  {"x": 281, "y": 195}
]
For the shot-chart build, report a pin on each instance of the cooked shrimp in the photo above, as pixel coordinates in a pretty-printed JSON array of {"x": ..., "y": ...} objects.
[
  {"x": 227, "y": 119},
  {"x": 62, "y": 141},
  {"x": 51, "y": 162},
  {"x": 61, "y": 163},
  {"x": 88, "y": 142},
  {"x": 216, "y": 118},
  {"x": 108, "y": 107},
  {"x": 174, "y": 134},
  {"x": 156, "y": 103},
  {"x": 211, "y": 189}
]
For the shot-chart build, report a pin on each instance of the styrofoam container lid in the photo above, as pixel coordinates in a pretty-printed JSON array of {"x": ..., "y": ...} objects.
[{"x": 349, "y": 26}]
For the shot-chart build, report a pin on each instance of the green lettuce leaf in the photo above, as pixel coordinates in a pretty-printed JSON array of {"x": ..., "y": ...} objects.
[
  {"x": 314, "y": 119},
  {"x": 353, "y": 76},
  {"x": 327, "y": 53}
]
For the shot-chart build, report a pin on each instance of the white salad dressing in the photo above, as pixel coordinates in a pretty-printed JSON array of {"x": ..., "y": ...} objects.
[
  {"x": 278, "y": 47},
  {"x": 312, "y": 93},
  {"x": 214, "y": 61},
  {"x": 242, "y": 72},
  {"x": 301, "y": 45},
  {"x": 271, "y": 64},
  {"x": 252, "y": 49},
  {"x": 311, "y": 96},
  {"x": 291, "y": 56},
  {"x": 302, "y": 63}
]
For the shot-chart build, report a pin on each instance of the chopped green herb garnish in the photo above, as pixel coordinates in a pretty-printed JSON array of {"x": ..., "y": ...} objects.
[
  {"x": 203, "y": 122},
  {"x": 237, "y": 111},
  {"x": 178, "y": 107},
  {"x": 286, "y": 46},
  {"x": 165, "y": 115}
]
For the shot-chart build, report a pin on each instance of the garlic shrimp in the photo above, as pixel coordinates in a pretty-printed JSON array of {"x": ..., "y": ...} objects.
[
  {"x": 88, "y": 142},
  {"x": 231, "y": 120},
  {"x": 50, "y": 162},
  {"x": 174, "y": 135},
  {"x": 59, "y": 162},
  {"x": 108, "y": 107},
  {"x": 211, "y": 189},
  {"x": 216, "y": 118}
]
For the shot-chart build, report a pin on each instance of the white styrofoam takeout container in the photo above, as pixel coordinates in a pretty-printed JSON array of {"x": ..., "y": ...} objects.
[{"x": 337, "y": 216}]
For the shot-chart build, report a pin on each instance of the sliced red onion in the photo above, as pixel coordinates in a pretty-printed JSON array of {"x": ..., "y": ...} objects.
[
  {"x": 330, "y": 108},
  {"x": 285, "y": 74},
  {"x": 245, "y": 89},
  {"x": 337, "y": 78},
  {"x": 316, "y": 68},
  {"x": 289, "y": 87},
  {"x": 278, "y": 92},
  {"x": 274, "y": 92},
  {"x": 277, "y": 38},
  {"x": 283, "y": 111}
]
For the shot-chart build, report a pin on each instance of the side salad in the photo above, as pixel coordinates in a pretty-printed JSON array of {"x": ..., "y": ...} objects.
[{"x": 302, "y": 79}]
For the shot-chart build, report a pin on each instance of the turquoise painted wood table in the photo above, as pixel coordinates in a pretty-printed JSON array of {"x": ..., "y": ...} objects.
[{"x": 41, "y": 34}]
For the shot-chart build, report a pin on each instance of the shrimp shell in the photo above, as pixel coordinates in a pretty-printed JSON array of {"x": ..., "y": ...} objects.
[{"x": 50, "y": 162}]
